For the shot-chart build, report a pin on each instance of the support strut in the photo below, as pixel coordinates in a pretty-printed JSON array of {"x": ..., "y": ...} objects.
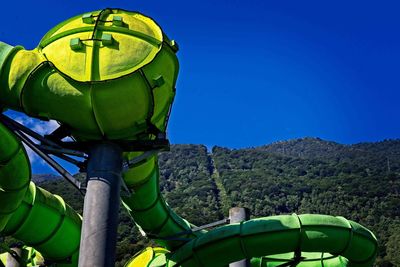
[
  {"x": 100, "y": 211},
  {"x": 237, "y": 215}
]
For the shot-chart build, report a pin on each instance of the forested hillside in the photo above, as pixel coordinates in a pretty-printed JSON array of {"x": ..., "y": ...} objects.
[{"x": 360, "y": 182}]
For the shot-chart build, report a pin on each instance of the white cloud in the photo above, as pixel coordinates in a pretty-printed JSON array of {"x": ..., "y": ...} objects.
[
  {"x": 41, "y": 127},
  {"x": 44, "y": 127}
]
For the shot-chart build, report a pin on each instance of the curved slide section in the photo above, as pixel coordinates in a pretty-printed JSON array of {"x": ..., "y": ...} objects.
[
  {"x": 148, "y": 208},
  {"x": 31, "y": 214},
  {"x": 280, "y": 234},
  {"x": 156, "y": 257},
  {"x": 13, "y": 160},
  {"x": 308, "y": 259},
  {"x": 309, "y": 240},
  {"x": 43, "y": 221}
]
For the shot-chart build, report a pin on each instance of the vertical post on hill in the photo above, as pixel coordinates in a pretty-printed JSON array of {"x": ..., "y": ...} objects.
[
  {"x": 11, "y": 260},
  {"x": 100, "y": 210},
  {"x": 237, "y": 215}
]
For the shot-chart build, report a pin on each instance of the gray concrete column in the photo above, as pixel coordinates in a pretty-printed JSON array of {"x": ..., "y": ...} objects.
[
  {"x": 100, "y": 210},
  {"x": 237, "y": 215}
]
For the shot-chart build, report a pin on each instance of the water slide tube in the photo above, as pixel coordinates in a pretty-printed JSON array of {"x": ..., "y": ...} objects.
[
  {"x": 31, "y": 214},
  {"x": 148, "y": 208},
  {"x": 317, "y": 240}
]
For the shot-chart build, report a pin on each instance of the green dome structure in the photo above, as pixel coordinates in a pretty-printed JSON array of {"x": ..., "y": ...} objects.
[{"x": 69, "y": 76}]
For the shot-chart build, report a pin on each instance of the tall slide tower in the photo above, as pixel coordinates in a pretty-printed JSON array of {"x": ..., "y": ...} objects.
[{"x": 108, "y": 78}]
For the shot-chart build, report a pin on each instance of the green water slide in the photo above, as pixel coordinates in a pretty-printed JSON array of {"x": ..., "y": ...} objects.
[
  {"x": 293, "y": 234},
  {"x": 110, "y": 75},
  {"x": 287, "y": 240},
  {"x": 31, "y": 214},
  {"x": 150, "y": 211}
]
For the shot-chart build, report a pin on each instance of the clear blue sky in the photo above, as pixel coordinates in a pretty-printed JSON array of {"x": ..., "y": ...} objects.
[{"x": 254, "y": 72}]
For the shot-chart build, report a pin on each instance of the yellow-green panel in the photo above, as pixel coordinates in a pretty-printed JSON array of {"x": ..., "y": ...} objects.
[
  {"x": 138, "y": 175},
  {"x": 141, "y": 260},
  {"x": 71, "y": 24},
  {"x": 14, "y": 75},
  {"x": 50, "y": 95},
  {"x": 76, "y": 64},
  {"x": 90, "y": 48},
  {"x": 162, "y": 74},
  {"x": 127, "y": 102},
  {"x": 125, "y": 55},
  {"x": 145, "y": 257},
  {"x": 139, "y": 22}
]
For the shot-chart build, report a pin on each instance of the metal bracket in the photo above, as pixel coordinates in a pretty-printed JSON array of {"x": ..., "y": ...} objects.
[
  {"x": 211, "y": 225},
  {"x": 179, "y": 235},
  {"x": 130, "y": 163},
  {"x": 25, "y": 135}
]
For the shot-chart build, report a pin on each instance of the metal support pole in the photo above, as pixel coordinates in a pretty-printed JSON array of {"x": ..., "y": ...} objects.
[
  {"x": 100, "y": 210},
  {"x": 11, "y": 260},
  {"x": 237, "y": 215}
]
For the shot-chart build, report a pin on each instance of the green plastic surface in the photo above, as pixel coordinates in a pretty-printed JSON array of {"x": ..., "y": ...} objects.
[
  {"x": 5, "y": 50},
  {"x": 14, "y": 175},
  {"x": 281, "y": 235},
  {"x": 32, "y": 214},
  {"x": 148, "y": 208}
]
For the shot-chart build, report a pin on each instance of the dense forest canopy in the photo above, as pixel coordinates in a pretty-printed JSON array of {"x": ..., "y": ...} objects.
[{"x": 360, "y": 182}]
